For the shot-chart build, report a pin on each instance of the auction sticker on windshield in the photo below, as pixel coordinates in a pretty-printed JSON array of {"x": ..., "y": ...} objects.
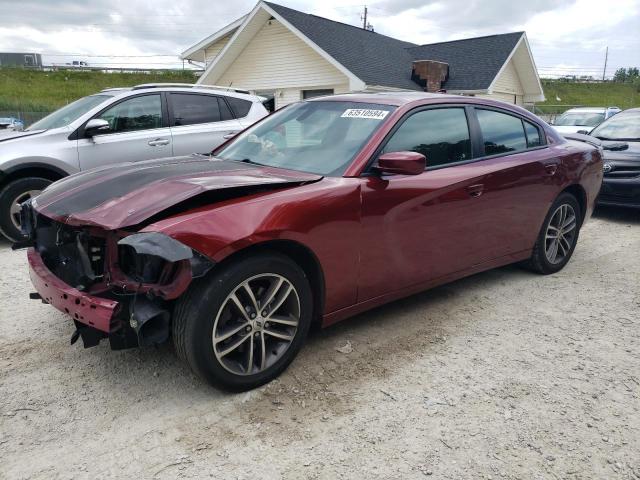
[{"x": 364, "y": 113}]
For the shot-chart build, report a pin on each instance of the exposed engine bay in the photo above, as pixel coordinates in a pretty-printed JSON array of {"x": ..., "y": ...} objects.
[{"x": 142, "y": 272}]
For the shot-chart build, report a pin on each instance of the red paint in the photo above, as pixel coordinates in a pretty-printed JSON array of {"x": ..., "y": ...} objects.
[
  {"x": 378, "y": 238},
  {"x": 403, "y": 163},
  {"x": 93, "y": 311}
]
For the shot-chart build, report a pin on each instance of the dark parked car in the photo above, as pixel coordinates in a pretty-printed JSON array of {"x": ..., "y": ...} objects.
[
  {"x": 323, "y": 210},
  {"x": 620, "y": 136}
]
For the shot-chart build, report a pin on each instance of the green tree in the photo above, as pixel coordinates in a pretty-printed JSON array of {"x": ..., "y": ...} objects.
[{"x": 620, "y": 75}]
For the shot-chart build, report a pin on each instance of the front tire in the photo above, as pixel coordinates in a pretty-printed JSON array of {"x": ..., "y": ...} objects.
[
  {"x": 243, "y": 325},
  {"x": 11, "y": 196},
  {"x": 558, "y": 236}
]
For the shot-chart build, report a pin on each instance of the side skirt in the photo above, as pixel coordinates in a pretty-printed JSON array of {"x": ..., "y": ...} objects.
[{"x": 338, "y": 315}]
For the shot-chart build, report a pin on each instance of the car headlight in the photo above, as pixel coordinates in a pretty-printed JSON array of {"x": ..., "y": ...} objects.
[{"x": 151, "y": 257}]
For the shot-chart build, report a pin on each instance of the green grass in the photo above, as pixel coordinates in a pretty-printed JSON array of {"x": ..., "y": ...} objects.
[
  {"x": 623, "y": 95},
  {"x": 36, "y": 91}
]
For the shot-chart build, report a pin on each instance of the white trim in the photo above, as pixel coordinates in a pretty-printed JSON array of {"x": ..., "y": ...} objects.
[
  {"x": 211, "y": 39},
  {"x": 354, "y": 82},
  {"x": 535, "y": 69},
  {"x": 504, "y": 65},
  {"x": 523, "y": 38}
]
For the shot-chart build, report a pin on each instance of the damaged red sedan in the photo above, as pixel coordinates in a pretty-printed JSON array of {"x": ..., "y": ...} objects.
[{"x": 327, "y": 208}]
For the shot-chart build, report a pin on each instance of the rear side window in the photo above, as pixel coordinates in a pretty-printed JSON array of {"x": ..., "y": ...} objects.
[
  {"x": 501, "y": 133},
  {"x": 533, "y": 134},
  {"x": 441, "y": 135},
  {"x": 190, "y": 109},
  {"x": 239, "y": 107}
]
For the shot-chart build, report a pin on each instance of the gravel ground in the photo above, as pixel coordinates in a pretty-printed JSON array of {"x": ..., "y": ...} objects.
[{"x": 505, "y": 374}]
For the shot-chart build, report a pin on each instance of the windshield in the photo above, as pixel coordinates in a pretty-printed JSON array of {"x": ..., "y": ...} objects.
[
  {"x": 579, "y": 119},
  {"x": 623, "y": 126},
  {"x": 318, "y": 137},
  {"x": 69, "y": 113}
]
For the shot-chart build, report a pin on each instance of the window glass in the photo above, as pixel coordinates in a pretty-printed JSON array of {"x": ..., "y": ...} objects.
[
  {"x": 318, "y": 137},
  {"x": 70, "y": 113},
  {"x": 189, "y": 109},
  {"x": 240, "y": 107},
  {"x": 501, "y": 133},
  {"x": 533, "y": 134},
  {"x": 441, "y": 135},
  {"x": 225, "y": 113},
  {"x": 623, "y": 126},
  {"x": 138, "y": 113},
  {"x": 316, "y": 93},
  {"x": 581, "y": 119}
]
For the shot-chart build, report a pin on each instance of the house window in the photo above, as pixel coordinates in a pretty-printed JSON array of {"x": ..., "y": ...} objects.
[{"x": 306, "y": 94}]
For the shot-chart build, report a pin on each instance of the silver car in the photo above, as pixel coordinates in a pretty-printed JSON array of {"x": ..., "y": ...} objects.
[{"x": 118, "y": 125}]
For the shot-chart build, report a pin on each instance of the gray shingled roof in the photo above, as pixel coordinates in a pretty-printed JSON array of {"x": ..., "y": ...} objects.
[{"x": 380, "y": 60}]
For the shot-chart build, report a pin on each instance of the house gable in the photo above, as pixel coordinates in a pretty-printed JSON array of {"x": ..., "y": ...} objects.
[
  {"x": 212, "y": 51},
  {"x": 315, "y": 48},
  {"x": 276, "y": 58}
]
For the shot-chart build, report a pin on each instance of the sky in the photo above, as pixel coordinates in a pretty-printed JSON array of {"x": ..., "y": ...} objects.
[{"x": 566, "y": 36}]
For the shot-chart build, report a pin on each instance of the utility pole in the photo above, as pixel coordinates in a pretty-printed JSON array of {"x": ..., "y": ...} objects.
[
  {"x": 365, "y": 24},
  {"x": 606, "y": 57}
]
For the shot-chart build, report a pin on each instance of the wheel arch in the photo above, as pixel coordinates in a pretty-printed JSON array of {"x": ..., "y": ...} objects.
[
  {"x": 580, "y": 195},
  {"x": 302, "y": 255},
  {"x": 31, "y": 169}
]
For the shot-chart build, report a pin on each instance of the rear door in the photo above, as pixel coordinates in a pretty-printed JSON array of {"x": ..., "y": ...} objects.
[
  {"x": 138, "y": 131},
  {"x": 199, "y": 122}
]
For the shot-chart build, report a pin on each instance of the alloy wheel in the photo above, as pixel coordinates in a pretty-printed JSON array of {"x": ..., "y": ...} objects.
[
  {"x": 256, "y": 324},
  {"x": 561, "y": 234},
  {"x": 14, "y": 209}
]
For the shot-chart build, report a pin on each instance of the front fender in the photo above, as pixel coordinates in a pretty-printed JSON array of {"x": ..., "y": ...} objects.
[{"x": 324, "y": 217}]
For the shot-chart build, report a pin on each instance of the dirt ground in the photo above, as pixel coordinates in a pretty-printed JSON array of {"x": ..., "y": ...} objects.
[{"x": 505, "y": 374}]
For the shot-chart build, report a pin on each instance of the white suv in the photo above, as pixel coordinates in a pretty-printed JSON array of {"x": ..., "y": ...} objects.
[
  {"x": 583, "y": 118},
  {"x": 118, "y": 125}
]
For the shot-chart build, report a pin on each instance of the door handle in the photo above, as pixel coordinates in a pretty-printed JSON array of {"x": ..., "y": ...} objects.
[
  {"x": 158, "y": 142},
  {"x": 229, "y": 135},
  {"x": 551, "y": 168},
  {"x": 475, "y": 190}
]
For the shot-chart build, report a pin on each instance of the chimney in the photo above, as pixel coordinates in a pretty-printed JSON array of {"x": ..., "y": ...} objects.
[{"x": 430, "y": 74}]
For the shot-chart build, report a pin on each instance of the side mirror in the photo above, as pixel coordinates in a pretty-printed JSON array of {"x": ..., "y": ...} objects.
[
  {"x": 96, "y": 126},
  {"x": 403, "y": 163},
  {"x": 583, "y": 132}
]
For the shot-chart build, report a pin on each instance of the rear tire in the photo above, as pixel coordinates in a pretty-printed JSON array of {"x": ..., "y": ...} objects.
[
  {"x": 558, "y": 236},
  {"x": 13, "y": 193},
  {"x": 240, "y": 349}
]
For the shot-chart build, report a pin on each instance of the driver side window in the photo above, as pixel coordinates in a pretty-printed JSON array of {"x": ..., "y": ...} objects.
[
  {"x": 440, "y": 134},
  {"x": 138, "y": 113}
]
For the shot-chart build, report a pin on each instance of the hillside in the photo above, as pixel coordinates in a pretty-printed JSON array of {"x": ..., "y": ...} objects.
[
  {"x": 37, "y": 91},
  {"x": 623, "y": 95}
]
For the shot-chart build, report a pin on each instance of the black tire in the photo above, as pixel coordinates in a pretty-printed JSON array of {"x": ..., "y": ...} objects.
[
  {"x": 539, "y": 262},
  {"x": 195, "y": 313},
  {"x": 9, "y": 193}
]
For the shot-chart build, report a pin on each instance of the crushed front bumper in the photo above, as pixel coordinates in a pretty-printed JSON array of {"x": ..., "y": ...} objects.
[{"x": 91, "y": 311}]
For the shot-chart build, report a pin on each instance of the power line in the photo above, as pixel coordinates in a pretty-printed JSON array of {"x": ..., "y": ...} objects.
[{"x": 102, "y": 56}]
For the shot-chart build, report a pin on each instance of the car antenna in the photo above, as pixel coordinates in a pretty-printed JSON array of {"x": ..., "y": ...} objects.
[{"x": 229, "y": 87}]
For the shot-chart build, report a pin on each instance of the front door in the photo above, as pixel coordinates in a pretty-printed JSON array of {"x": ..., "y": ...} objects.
[{"x": 137, "y": 132}]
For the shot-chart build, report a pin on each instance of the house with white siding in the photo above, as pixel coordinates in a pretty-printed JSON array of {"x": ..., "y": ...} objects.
[{"x": 288, "y": 55}]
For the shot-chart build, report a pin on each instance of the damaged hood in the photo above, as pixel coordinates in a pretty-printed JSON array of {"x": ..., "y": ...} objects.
[{"x": 130, "y": 193}]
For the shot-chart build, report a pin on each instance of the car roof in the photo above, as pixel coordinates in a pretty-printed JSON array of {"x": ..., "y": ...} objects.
[
  {"x": 387, "y": 98},
  {"x": 185, "y": 87},
  {"x": 591, "y": 109}
]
